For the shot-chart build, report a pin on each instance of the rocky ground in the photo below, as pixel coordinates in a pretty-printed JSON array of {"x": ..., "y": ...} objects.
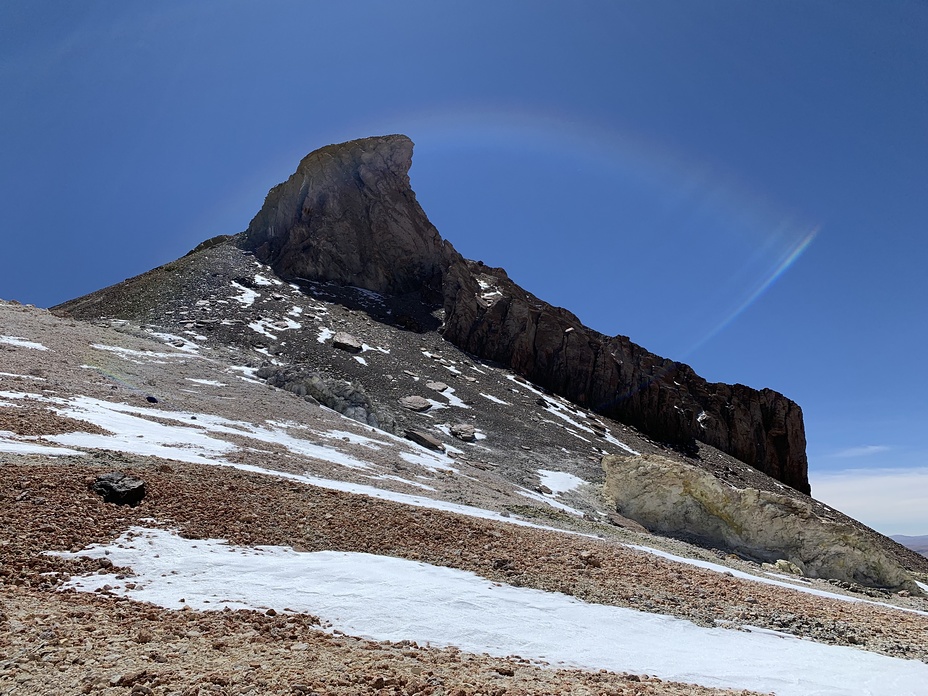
[{"x": 54, "y": 641}]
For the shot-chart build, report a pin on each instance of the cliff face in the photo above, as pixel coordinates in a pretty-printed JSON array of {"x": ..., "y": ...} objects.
[{"x": 348, "y": 215}]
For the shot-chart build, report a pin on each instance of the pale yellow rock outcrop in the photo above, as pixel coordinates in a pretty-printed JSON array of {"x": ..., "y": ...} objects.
[{"x": 673, "y": 497}]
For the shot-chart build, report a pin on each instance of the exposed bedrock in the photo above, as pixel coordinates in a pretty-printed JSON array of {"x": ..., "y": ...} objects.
[
  {"x": 671, "y": 497},
  {"x": 348, "y": 215}
]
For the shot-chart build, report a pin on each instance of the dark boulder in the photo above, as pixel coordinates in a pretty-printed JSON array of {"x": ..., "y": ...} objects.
[{"x": 119, "y": 488}]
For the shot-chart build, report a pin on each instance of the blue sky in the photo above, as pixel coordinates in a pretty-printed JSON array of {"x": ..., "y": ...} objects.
[{"x": 741, "y": 186}]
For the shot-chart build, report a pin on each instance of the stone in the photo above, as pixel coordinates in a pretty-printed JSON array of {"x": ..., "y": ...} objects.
[
  {"x": 674, "y": 497},
  {"x": 415, "y": 403},
  {"x": 345, "y": 341},
  {"x": 424, "y": 439},
  {"x": 437, "y": 386},
  {"x": 119, "y": 488},
  {"x": 464, "y": 431},
  {"x": 346, "y": 215}
]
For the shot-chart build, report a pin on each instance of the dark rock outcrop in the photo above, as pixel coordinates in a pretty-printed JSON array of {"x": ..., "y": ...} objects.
[
  {"x": 489, "y": 315},
  {"x": 348, "y": 215},
  {"x": 344, "y": 397},
  {"x": 119, "y": 488}
]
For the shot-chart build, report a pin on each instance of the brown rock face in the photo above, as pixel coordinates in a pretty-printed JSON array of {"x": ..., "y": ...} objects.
[
  {"x": 348, "y": 215},
  {"x": 489, "y": 315}
]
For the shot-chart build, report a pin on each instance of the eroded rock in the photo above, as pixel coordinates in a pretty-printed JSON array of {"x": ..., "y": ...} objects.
[
  {"x": 345, "y": 341},
  {"x": 348, "y": 399},
  {"x": 464, "y": 431},
  {"x": 674, "y": 497}
]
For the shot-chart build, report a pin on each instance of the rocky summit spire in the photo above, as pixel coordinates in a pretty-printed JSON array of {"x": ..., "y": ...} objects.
[{"x": 348, "y": 215}]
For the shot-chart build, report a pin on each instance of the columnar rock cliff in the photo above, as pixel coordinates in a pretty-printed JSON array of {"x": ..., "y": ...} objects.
[{"x": 348, "y": 215}]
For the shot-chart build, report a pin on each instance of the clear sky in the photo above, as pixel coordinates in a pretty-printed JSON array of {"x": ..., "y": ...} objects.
[{"x": 742, "y": 186}]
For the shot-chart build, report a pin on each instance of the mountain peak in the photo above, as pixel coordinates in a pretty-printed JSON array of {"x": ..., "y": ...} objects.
[{"x": 348, "y": 215}]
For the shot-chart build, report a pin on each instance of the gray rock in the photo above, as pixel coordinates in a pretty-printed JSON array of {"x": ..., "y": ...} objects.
[
  {"x": 119, "y": 488},
  {"x": 347, "y": 342},
  {"x": 314, "y": 387},
  {"x": 415, "y": 403},
  {"x": 783, "y": 566},
  {"x": 424, "y": 439},
  {"x": 437, "y": 386},
  {"x": 464, "y": 431}
]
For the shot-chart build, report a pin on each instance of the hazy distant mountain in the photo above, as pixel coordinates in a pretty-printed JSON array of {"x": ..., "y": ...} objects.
[{"x": 916, "y": 543}]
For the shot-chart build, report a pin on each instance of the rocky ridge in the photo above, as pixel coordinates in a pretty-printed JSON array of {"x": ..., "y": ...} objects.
[{"x": 349, "y": 216}]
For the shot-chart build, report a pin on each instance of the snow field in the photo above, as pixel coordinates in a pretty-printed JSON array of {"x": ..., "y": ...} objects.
[{"x": 385, "y": 598}]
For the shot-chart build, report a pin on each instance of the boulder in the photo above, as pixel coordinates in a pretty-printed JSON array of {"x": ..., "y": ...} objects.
[
  {"x": 119, "y": 488},
  {"x": 437, "y": 386},
  {"x": 677, "y": 498},
  {"x": 415, "y": 403},
  {"x": 347, "y": 342},
  {"x": 424, "y": 439},
  {"x": 464, "y": 431}
]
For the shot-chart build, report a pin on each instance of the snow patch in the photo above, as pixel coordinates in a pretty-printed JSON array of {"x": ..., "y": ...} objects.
[
  {"x": 11, "y": 444},
  {"x": 14, "y": 375},
  {"x": 21, "y": 342},
  {"x": 262, "y": 280},
  {"x": 494, "y": 399},
  {"x": 324, "y": 334},
  {"x": 559, "y": 481},
  {"x": 247, "y": 296},
  {"x": 386, "y": 598}
]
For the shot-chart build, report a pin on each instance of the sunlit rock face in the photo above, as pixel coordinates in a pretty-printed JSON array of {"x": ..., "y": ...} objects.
[{"x": 672, "y": 497}]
